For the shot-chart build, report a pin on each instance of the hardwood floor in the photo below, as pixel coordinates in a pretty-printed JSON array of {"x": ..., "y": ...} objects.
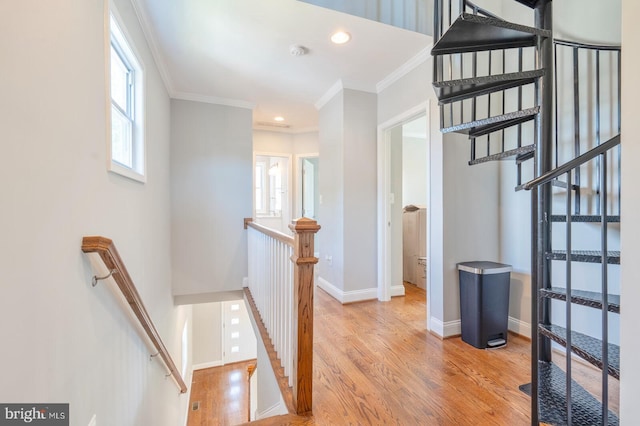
[
  {"x": 374, "y": 364},
  {"x": 221, "y": 394}
]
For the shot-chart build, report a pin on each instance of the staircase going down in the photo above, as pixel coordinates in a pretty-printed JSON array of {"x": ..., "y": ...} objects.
[{"x": 507, "y": 112}]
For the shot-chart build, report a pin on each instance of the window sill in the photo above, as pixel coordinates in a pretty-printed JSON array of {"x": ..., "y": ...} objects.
[{"x": 126, "y": 172}]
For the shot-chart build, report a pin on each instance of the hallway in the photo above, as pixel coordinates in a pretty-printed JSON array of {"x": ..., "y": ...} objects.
[{"x": 375, "y": 364}]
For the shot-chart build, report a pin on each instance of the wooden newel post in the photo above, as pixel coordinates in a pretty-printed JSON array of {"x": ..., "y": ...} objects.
[{"x": 303, "y": 262}]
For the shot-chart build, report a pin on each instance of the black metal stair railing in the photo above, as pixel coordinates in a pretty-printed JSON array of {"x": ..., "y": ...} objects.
[
  {"x": 561, "y": 399},
  {"x": 482, "y": 95},
  {"x": 587, "y": 90},
  {"x": 485, "y": 83}
]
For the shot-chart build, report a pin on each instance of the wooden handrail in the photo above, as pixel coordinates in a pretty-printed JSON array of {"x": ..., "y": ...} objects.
[
  {"x": 276, "y": 235},
  {"x": 105, "y": 248},
  {"x": 303, "y": 286}
]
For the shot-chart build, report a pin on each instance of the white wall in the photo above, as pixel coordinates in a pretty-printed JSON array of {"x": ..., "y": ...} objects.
[
  {"x": 630, "y": 244},
  {"x": 64, "y": 341},
  {"x": 211, "y": 193},
  {"x": 414, "y": 170},
  {"x": 207, "y": 335},
  {"x": 397, "y": 172}
]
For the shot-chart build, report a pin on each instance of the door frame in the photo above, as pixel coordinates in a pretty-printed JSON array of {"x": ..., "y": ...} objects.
[
  {"x": 298, "y": 181},
  {"x": 385, "y": 288}
]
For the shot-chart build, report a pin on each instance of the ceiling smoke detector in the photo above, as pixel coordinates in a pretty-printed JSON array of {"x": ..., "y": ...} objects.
[{"x": 297, "y": 50}]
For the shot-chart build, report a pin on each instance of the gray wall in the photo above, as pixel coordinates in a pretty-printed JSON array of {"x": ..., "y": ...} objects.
[
  {"x": 207, "y": 334},
  {"x": 211, "y": 187},
  {"x": 63, "y": 340},
  {"x": 348, "y": 192}
]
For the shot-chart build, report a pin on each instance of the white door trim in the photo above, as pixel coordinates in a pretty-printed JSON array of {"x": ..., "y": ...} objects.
[{"x": 384, "y": 202}]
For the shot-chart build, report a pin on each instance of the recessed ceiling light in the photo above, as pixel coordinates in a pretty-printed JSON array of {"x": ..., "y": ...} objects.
[
  {"x": 278, "y": 118},
  {"x": 340, "y": 37}
]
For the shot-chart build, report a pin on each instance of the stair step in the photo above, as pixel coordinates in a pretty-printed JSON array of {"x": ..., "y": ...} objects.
[
  {"x": 584, "y": 218},
  {"x": 584, "y": 298},
  {"x": 586, "y": 410},
  {"x": 474, "y": 33},
  {"x": 588, "y": 256},
  {"x": 530, "y": 3},
  {"x": 526, "y": 156},
  {"x": 586, "y": 347},
  {"x": 485, "y": 126},
  {"x": 504, "y": 155},
  {"x": 467, "y": 88}
]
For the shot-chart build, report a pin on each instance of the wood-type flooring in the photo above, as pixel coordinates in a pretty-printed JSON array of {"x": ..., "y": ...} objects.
[{"x": 375, "y": 364}]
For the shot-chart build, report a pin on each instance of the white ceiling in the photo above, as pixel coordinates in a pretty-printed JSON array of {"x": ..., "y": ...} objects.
[{"x": 236, "y": 52}]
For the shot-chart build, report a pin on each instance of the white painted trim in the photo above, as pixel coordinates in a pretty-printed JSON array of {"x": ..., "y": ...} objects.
[
  {"x": 188, "y": 397},
  {"x": 329, "y": 94},
  {"x": 435, "y": 326},
  {"x": 397, "y": 290},
  {"x": 287, "y": 130},
  {"x": 275, "y": 410},
  {"x": 196, "y": 97},
  {"x": 297, "y": 184},
  {"x": 520, "y": 327},
  {"x": 384, "y": 203},
  {"x": 404, "y": 69},
  {"x": 348, "y": 296},
  {"x": 147, "y": 31},
  {"x": 204, "y": 365},
  {"x": 452, "y": 328},
  {"x": 444, "y": 330}
]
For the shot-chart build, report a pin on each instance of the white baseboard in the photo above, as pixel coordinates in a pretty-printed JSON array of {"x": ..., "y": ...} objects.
[
  {"x": 275, "y": 410},
  {"x": 204, "y": 365},
  {"x": 397, "y": 290},
  {"x": 187, "y": 396},
  {"x": 454, "y": 328},
  {"x": 447, "y": 329},
  {"x": 347, "y": 296},
  {"x": 520, "y": 327}
]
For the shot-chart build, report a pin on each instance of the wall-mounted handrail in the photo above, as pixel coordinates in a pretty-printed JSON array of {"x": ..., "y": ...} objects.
[
  {"x": 280, "y": 293},
  {"x": 570, "y": 165},
  {"x": 106, "y": 249}
]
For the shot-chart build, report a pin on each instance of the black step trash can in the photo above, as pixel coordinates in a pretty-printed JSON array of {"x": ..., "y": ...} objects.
[{"x": 484, "y": 303}]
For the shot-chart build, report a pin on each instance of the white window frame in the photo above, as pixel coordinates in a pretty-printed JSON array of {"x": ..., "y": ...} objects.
[{"x": 118, "y": 36}]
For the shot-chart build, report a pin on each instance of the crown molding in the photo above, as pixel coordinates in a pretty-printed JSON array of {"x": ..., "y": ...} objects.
[
  {"x": 420, "y": 58},
  {"x": 196, "y": 97},
  {"x": 147, "y": 31}
]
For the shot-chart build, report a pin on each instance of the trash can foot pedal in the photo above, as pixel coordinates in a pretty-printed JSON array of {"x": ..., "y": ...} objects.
[{"x": 496, "y": 343}]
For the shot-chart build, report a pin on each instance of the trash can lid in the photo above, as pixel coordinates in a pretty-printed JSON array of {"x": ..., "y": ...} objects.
[{"x": 484, "y": 267}]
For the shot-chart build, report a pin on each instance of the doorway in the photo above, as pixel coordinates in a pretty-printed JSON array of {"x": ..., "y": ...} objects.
[
  {"x": 271, "y": 191},
  {"x": 403, "y": 184}
]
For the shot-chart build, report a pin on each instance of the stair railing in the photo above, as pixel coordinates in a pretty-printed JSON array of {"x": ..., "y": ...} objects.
[
  {"x": 569, "y": 170},
  {"x": 106, "y": 250},
  {"x": 592, "y": 75},
  {"x": 486, "y": 146},
  {"x": 280, "y": 293}
]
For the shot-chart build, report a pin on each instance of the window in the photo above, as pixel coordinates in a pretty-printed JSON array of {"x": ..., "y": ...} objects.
[
  {"x": 126, "y": 84},
  {"x": 270, "y": 185}
]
